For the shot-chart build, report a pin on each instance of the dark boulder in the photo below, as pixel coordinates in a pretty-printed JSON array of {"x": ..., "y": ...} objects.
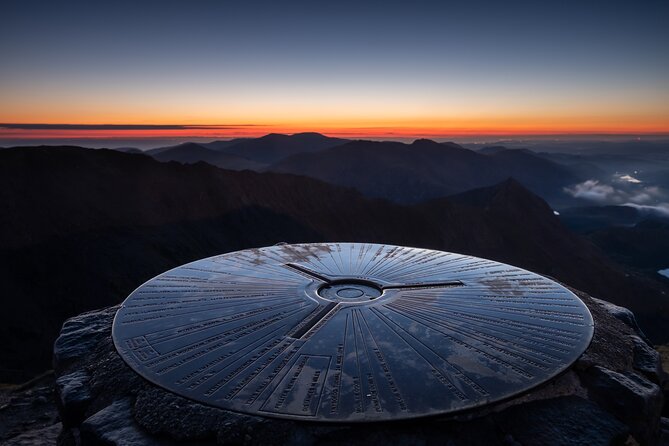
[
  {"x": 630, "y": 397},
  {"x": 562, "y": 421},
  {"x": 73, "y": 396}
]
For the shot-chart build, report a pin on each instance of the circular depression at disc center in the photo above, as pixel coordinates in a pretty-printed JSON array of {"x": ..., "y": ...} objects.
[{"x": 350, "y": 291}]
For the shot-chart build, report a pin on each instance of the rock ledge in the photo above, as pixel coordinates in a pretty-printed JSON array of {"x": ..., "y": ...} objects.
[{"x": 612, "y": 395}]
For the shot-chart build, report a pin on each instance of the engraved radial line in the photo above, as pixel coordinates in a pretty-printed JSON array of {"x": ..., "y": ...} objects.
[
  {"x": 487, "y": 311},
  {"x": 445, "y": 297},
  {"x": 380, "y": 262},
  {"x": 214, "y": 294},
  {"x": 219, "y": 296},
  {"x": 373, "y": 391},
  {"x": 363, "y": 407},
  {"x": 482, "y": 352},
  {"x": 269, "y": 270},
  {"x": 314, "y": 320},
  {"x": 518, "y": 333},
  {"x": 472, "y": 334},
  {"x": 453, "y": 283},
  {"x": 212, "y": 390},
  {"x": 190, "y": 303},
  {"x": 169, "y": 315},
  {"x": 400, "y": 266},
  {"x": 212, "y": 363},
  {"x": 236, "y": 275},
  {"x": 343, "y": 361},
  {"x": 188, "y": 324},
  {"x": 363, "y": 250},
  {"x": 484, "y": 288},
  {"x": 238, "y": 267},
  {"x": 444, "y": 300},
  {"x": 285, "y": 358},
  {"x": 385, "y": 262},
  {"x": 458, "y": 372},
  {"x": 516, "y": 329},
  {"x": 268, "y": 263},
  {"x": 512, "y": 310},
  {"x": 525, "y": 325},
  {"x": 448, "y": 264},
  {"x": 341, "y": 259},
  {"x": 309, "y": 272},
  {"x": 473, "y": 291},
  {"x": 312, "y": 261},
  {"x": 208, "y": 324},
  {"x": 394, "y": 388},
  {"x": 214, "y": 286},
  {"x": 407, "y": 260},
  {"x": 211, "y": 341},
  {"x": 258, "y": 370},
  {"x": 327, "y": 260},
  {"x": 493, "y": 300},
  {"x": 372, "y": 260},
  {"x": 356, "y": 256},
  {"x": 420, "y": 268},
  {"x": 336, "y": 252},
  {"x": 421, "y": 271},
  {"x": 192, "y": 327},
  {"x": 214, "y": 338}
]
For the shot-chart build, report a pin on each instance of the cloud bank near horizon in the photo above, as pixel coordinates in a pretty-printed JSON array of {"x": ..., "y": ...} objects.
[{"x": 623, "y": 190}]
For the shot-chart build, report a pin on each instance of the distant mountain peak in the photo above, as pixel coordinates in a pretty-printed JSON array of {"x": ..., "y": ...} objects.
[
  {"x": 423, "y": 141},
  {"x": 314, "y": 134},
  {"x": 275, "y": 146}
]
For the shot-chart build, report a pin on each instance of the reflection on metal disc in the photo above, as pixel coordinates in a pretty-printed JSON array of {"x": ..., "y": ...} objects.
[{"x": 349, "y": 332}]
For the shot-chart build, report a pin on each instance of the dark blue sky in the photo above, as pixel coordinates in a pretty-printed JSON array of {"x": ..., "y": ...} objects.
[{"x": 363, "y": 64}]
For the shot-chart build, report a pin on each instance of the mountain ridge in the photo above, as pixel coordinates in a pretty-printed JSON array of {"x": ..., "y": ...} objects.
[
  {"x": 190, "y": 153},
  {"x": 424, "y": 169}
]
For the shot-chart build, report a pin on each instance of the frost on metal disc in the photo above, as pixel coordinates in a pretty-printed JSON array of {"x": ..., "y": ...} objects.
[{"x": 349, "y": 332}]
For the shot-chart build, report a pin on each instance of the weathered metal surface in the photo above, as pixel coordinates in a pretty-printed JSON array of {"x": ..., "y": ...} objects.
[{"x": 348, "y": 332}]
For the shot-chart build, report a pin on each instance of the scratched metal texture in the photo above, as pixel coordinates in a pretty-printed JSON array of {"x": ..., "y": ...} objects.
[{"x": 350, "y": 332}]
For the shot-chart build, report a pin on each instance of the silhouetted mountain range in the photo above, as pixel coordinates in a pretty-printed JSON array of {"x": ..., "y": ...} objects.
[
  {"x": 245, "y": 153},
  {"x": 423, "y": 170},
  {"x": 81, "y": 228},
  {"x": 274, "y": 147},
  {"x": 190, "y": 153},
  {"x": 221, "y": 145}
]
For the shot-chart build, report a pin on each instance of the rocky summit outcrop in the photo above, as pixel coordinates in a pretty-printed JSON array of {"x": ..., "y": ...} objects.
[{"x": 612, "y": 395}]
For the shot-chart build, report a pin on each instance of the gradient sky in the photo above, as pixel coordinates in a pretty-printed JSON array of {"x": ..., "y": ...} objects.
[{"x": 423, "y": 68}]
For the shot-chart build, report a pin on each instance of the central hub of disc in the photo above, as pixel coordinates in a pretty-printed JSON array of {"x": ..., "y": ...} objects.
[{"x": 350, "y": 291}]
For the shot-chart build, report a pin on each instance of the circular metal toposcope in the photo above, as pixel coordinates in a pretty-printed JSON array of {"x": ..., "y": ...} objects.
[{"x": 350, "y": 332}]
